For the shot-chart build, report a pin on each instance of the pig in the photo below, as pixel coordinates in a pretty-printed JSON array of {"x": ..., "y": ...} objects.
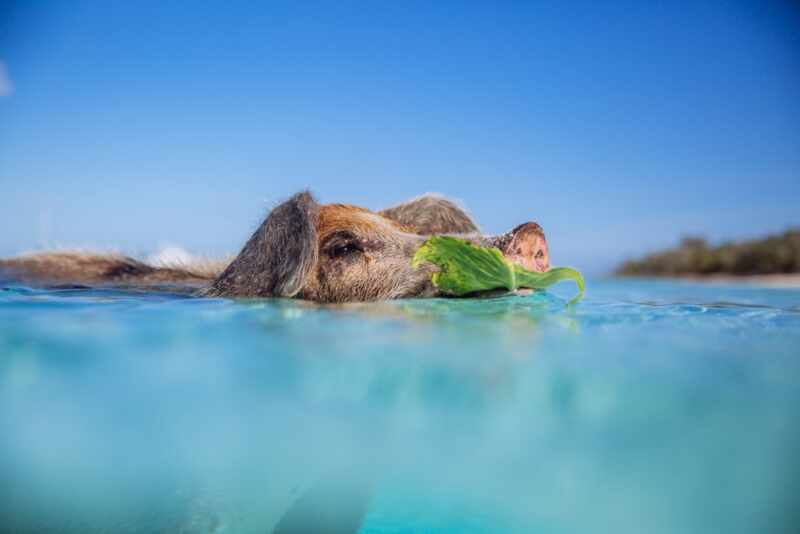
[{"x": 326, "y": 253}]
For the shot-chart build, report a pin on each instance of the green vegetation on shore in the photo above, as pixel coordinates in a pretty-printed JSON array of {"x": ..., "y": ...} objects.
[{"x": 774, "y": 254}]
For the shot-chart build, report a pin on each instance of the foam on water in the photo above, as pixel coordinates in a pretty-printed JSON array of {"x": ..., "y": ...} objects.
[{"x": 649, "y": 407}]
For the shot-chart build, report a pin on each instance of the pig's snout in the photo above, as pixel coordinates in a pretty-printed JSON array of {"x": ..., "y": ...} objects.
[{"x": 525, "y": 245}]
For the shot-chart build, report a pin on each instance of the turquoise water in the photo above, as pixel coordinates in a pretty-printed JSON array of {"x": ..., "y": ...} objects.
[{"x": 650, "y": 407}]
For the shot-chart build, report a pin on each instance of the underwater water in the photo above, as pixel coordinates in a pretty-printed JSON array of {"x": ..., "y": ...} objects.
[{"x": 651, "y": 406}]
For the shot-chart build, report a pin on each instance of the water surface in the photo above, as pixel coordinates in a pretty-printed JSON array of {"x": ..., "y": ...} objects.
[{"x": 649, "y": 407}]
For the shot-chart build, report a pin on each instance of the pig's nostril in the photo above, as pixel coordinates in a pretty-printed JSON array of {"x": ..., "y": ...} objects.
[{"x": 525, "y": 245}]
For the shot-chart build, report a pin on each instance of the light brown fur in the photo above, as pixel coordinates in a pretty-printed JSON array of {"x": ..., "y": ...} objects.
[
  {"x": 431, "y": 214},
  {"x": 325, "y": 253},
  {"x": 65, "y": 267},
  {"x": 377, "y": 268}
]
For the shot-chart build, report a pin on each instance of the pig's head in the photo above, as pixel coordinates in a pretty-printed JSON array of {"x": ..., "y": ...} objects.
[{"x": 341, "y": 253}]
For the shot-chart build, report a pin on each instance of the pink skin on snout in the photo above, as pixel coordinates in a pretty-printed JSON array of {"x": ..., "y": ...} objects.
[{"x": 525, "y": 245}]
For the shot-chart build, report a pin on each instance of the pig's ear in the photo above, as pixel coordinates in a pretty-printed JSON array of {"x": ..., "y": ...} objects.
[
  {"x": 278, "y": 257},
  {"x": 431, "y": 213}
]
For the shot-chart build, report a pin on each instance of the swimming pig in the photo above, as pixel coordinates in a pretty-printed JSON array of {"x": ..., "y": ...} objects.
[{"x": 324, "y": 253}]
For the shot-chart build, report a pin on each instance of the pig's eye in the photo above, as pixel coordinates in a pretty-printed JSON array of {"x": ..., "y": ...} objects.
[
  {"x": 344, "y": 249},
  {"x": 342, "y": 244},
  {"x": 540, "y": 255}
]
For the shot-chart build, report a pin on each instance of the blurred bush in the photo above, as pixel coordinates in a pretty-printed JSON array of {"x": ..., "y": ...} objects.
[{"x": 773, "y": 254}]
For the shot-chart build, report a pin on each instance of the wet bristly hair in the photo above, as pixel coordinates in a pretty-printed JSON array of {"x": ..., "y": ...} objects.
[
  {"x": 324, "y": 253},
  {"x": 277, "y": 258},
  {"x": 431, "y": 214}
]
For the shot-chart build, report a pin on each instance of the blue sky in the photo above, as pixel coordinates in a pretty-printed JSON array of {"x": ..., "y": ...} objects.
[{"x": 618, "y": 126}]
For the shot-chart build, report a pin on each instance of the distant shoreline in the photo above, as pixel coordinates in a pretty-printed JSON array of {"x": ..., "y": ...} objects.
[
  {"x": 771, "y": 261},
  {"x": 789, "y": 280}
]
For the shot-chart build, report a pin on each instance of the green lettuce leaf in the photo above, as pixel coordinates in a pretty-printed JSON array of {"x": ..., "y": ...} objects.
[{"x": 466, "y": 268}]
